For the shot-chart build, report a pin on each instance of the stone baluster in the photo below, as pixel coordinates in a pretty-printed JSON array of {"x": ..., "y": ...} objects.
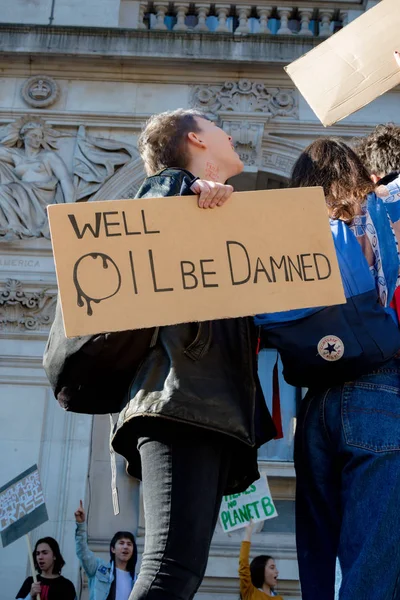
[
  {"x": 344, "y": 17},
  {"x": 264, "y": 13},
  {"x": 181, "y": 12},
  {"x": 305, "y": 18},
  {"x": 325, "y": 15},
  {"x": 284, "y": 14},
  {"x": 142, "y": 11},
  {"x": 202, "y": 12},
  {"x": 161, "y": 9},
  {"x": 243, "y": 14},
  {"x": 222, "y": 11}
]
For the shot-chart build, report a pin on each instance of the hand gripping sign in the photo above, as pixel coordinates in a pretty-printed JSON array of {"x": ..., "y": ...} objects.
[
  {"x": 132, "y": 264},
  {"x": 254, "y": 504}
]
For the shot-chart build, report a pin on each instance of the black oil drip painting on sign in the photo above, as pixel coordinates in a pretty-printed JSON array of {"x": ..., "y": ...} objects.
[{"x": 82, "y": 296}]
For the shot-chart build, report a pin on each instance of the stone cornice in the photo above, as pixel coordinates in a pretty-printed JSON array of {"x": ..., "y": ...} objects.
[{"x": 125, "y": 44}]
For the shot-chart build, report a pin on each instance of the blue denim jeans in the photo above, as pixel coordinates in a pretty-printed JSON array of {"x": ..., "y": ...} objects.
[{"x": 347, "y": 459}]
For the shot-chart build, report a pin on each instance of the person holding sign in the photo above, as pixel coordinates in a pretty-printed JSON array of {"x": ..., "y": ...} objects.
[
  {"x": 191, "y": 409},
  {"x": 197, "y": 392},
  {"x": 347, "y": 446},
  {"x": 112, "y": 580},
  {"x": 51, "y": 585},
  {"x": 259, "y": 578}
]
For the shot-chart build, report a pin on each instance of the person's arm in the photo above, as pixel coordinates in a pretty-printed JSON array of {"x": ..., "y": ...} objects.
[
  {"x": 29, "y": 589},
  {"x": 24, "y": 591},
  {"x": 86, "y": 557},
  {"x": 246, "y": 585}
]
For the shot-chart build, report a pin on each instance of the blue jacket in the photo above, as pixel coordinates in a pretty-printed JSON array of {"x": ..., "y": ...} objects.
[
  {"x": 324, "y": 346},
  {"x": 100, "y": 572}
]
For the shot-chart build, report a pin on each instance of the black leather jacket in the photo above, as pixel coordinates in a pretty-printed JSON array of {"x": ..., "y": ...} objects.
[{"x": 199, "y": 374}]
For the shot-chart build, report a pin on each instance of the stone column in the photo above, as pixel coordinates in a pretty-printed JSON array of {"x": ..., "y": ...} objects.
[
  {"x": 222, "y": 11},
  {"x": 202, "y": 12},
  {"x": 243, "y": 14},
  {"x": 181, "y": 12},
  {"x": 161, "y": 10},
  {"x": 264, "y": 12},
  {"x": 284, "y": 14},
  {"x": 325, "y": 15},
  {"x": 305, "y": 18}
]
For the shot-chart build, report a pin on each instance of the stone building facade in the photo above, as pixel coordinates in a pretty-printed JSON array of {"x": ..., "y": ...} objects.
[{"x": 78, "y": 79}]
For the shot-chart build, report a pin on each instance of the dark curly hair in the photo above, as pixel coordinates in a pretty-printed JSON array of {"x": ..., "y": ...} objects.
[
  {"x": 257, "y": 569},
  {"x": 380, "y": 151},
  {"x": 331, "y": 164},
  {"x": 55, "y": 548}
]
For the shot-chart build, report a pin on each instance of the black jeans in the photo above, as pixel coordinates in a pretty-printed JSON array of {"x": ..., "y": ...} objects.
[{"x": 184, "y": 476}]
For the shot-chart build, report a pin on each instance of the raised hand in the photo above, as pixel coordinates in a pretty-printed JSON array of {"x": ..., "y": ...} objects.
[{"x": 80, "y": 513}]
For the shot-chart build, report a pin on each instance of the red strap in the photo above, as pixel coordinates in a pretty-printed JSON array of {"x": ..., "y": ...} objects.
[
  {"x": 276, "y": 403},
  {"x": 395, "y": 303}
]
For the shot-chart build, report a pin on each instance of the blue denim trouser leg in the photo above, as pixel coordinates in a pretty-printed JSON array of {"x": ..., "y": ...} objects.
[{"x": 347, "y": 458}]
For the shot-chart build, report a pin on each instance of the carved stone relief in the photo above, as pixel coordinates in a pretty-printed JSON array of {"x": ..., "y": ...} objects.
[
  {"x": 33, "y": 174},
  {"x": 277, "y": 162},
  {"x": 247, "y": 136},
  {"x": 246, "y": 96},
  {"x": 40, "y": 91},
  {"x": 21, "y": 310}
]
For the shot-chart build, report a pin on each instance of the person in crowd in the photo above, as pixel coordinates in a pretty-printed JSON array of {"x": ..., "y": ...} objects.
[
  {"x": 380, "y": 153},
  {"x": 112, "y": 580},
  {"x": 190, "y": 417},
  {"x": 51, "y": 585},
  {"x": 258, "y": 579},
  {"x": 347, "y": 446},
  {"x": 195, "y": 413}
]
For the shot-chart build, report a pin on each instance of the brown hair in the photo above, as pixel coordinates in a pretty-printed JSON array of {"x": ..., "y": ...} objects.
[
  {"x": 59, "y": 562},
  {"x": 330, "y": 163},
  {"x": 163, "y": 141},
  {"x": 380, "y": 151}
]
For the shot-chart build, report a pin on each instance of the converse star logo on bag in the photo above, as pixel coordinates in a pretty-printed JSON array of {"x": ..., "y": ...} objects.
[{"x": 330, "y": 348}]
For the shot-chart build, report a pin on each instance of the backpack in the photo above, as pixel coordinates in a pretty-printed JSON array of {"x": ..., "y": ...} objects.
[
  {"x": 91, "y": 374},
  {"x": 326, "y": 346}
]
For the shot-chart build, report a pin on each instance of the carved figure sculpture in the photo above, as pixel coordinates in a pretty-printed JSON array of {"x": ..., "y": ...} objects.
[{"x": 32, "y": 176}]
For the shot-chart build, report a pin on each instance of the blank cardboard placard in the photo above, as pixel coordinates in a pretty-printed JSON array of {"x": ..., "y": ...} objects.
[
  {"x": 353, "y": 67},
  {"x": 131, "y": 264}
]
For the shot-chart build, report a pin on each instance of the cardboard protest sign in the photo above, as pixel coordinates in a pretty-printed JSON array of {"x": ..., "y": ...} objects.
[
  {"x": 130, "y": 264},
  {"x": 255, "y": 504},
  {"x": 22, "y": 506},
  {"x": 353, "y": 67}
]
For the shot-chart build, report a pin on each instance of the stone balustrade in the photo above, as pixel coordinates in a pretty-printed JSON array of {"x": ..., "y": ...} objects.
[{"x": 240, "y": 19}]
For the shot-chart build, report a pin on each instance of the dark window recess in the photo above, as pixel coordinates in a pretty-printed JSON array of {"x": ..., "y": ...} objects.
[{"x": 285, "y": 521}]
